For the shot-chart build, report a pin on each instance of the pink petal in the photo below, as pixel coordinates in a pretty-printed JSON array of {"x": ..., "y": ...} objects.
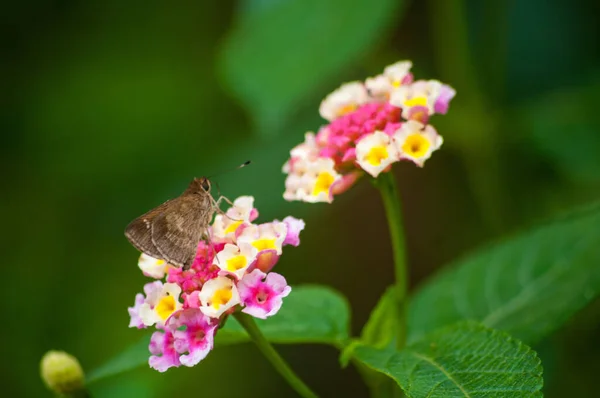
[
  {"x": 253, "y": 215},
  {"x": 192, "y": 300},
  {"x": 349, "y": 155},
  {"x": 198, "y": 337},
  {"x": 294, "y": 227},
  {"x": 266, "y": 260},
  {"x": 419, "y": 113},
  {"x": 262, "y": 298},
  {"x": 443, "y": 101},
  {"x": 278, "y": 283},
  {"x": 344, "y": 183},
  {"x": 391, "y": 128},
  {"x": 162, "y": 346},
  {"x": 136, "y": 320}
]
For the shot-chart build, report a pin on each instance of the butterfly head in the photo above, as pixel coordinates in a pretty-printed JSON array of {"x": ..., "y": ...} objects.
[
  {"x": 200, "y": 186},
  {"x": 205, "y": 184}
]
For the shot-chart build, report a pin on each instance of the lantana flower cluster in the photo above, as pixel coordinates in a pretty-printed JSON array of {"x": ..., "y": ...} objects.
[
  {"x": 229, "y": 273},
  {"x": 372, "y": 124}
]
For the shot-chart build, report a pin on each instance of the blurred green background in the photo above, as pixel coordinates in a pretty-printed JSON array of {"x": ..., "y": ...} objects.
[{"x": 109, "y": 108}]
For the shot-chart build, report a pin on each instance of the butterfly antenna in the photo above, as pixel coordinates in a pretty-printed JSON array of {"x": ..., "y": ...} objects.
[{"x": 246, "y": 163}]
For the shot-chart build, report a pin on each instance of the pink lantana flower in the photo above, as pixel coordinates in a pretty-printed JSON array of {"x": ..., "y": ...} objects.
[
  {"x": 152, "y": 267},
  {"x": 233, "y": 259},
  {"x": 236, "y": 259},
  {"x": 241, "y": 212},
  {"x": 363, "y": 133},
  {"x": 343, "y": 100},
  {"x": 268, "y": 236},
  {"x": 217, "y": 296},
  {"x": 422, "y": 99},
  {"x": 160, "y": 302},
  {"x": 268, "y": 239},
  {"x": 375, "y": 152},
  {"x": 294, "y": 227},
  {"x": 186, "y": 339},
  {"x": 134, "y": 312},
  {"x": 417, "y": 142},
  {"x": 394, "y": 76},
  {"x": 262, "y": 294},
  {"x": 202, "y": 268},
  {"x": 311, "y": 179},
  {"x": 194, "y": 333},
  {"x": 162, "y": 348}
]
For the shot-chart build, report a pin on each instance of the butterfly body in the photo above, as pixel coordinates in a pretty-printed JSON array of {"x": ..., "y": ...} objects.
[{"x": 172, "y": 231}]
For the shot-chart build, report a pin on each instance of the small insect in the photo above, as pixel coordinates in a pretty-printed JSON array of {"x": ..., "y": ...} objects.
[{"x": 172, "y": 231}]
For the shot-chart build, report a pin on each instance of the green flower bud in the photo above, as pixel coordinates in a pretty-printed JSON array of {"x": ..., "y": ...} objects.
[{"x": 62, "y": 373}]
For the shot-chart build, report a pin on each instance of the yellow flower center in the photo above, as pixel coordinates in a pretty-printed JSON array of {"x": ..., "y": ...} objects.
[
  {"x": 376, "y": 155},
  {"x": 165, "y": 307},
  {"x": 396, "y": 83},
  {"x": 346, "y": 109},
  {"x": 416, "y": 101},
  {"x": 233, "y": 226},
  {"x": 159, "y": 263},
  {"x": 221, "y": 296},
  {"x": 416, "y": 145},
  {"x": 264, "y": 244},
  {"x": 236, "y": 263},
  {"x": 324, "y": 181}
]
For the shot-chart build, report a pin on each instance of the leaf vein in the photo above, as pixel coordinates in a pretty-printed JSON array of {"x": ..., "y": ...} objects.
[{"x": 432, "y": 362}]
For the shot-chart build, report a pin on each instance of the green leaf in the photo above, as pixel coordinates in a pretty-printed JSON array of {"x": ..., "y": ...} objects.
[
  {"x": 528, "y": 285},
  {"x": 380, "y": 329},
  {"x": 279, "y": 54},
  {"x": 463, "y": 360},
  {"x": 132, "y": 358},
  {"x": 378, "y": 332},
  {"x": 310, "y": 314}
]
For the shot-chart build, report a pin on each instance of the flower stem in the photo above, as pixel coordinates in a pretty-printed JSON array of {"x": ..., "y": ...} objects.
[
  {"x": 269, "y": 352},
  {"x": 391, "y": 202}
]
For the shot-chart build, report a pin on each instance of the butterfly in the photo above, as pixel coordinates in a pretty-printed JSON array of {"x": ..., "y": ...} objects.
[{"x": 172, "y": 231}]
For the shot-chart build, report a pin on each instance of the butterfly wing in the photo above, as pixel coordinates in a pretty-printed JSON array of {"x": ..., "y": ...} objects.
[
  {"x": 176, "y": 233},
  {"x": 139, "y": 231}
]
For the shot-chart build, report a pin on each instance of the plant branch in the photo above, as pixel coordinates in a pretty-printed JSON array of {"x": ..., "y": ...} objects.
[
  {"x": 269, "y": 352},
  {"x": 393, "y": 210}
]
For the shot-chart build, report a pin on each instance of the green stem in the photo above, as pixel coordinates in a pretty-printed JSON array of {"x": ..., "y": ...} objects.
[
  {"x": 269, "y": 352},
  {"x": 393, "y": 210}
]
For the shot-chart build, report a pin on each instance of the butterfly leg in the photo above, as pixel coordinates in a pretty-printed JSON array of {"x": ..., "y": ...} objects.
[
  {"x": 217, "y": 204},
  {"x": 223, "y": 198}
]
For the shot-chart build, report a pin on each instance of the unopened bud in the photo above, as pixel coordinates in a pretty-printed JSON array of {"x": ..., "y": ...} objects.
[{"x": 62, "y": 373}]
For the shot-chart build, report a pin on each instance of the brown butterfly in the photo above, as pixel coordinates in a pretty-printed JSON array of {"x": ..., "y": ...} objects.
[{"x": 172, "y": 231}]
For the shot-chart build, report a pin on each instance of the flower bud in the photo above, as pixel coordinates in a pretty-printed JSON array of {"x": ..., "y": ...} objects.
[{"x": 62, "y": 373}]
